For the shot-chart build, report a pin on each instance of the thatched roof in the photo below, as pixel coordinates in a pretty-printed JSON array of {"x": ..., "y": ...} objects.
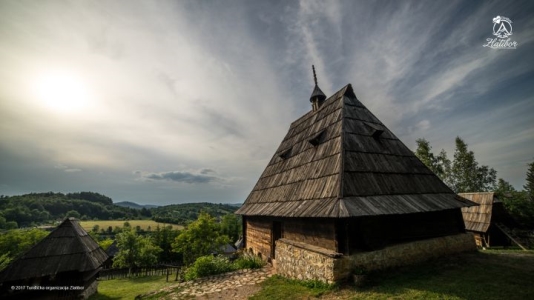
[
  {"x": 67, "y": 248},
  {"x": 478, "y": 218},
  {"x": 341, "y": 161}
]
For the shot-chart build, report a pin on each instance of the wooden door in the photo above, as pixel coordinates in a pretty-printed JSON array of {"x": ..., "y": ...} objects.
[{"x": 276, "y": 233}]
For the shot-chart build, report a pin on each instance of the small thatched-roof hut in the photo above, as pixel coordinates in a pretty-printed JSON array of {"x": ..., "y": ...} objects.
[
  {"x": 63, "y": 265},
  {"x": 485, "y": 219},
  {"x": 341, "y": 183}
]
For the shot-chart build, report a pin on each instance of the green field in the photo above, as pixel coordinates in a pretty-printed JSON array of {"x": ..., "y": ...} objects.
[
  {"x": 144, "y": 224},
  {"x": 128, "y": 289}
]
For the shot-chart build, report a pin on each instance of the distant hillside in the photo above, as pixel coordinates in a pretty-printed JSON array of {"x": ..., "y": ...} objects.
[
  {"x": 135, "y": 205},
  {"x": 183, "y": 213},
  {"x": 38, "y": 208}
]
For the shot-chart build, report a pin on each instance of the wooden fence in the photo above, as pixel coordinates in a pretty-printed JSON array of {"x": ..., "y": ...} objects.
[{"x": 107, "y": 274}]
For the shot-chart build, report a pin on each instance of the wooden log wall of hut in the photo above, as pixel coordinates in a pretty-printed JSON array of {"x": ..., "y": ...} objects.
[
  {"x": 377, "y": 232},
  {"x": 259, "y": 236},
  {"x": 318, "y": 232}
]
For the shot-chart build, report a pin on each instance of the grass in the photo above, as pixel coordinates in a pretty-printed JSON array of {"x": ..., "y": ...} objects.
[
  {"x": 129, "y": 288},
  {"x": 144, "y": 224},
  {"x": 501, "y": 274},
  {"x": 277, "y": 287},
  {"x": 490, "y": 274}
]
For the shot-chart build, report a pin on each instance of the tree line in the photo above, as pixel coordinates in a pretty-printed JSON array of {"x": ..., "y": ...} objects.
[
  {"x": 206, "y": 235},
  {"x": 464, "y": 174},
  {"x": 34, "y": 209},
  {"x": 182, "y": 214},
  {"x": 137, "y": 248},
  {"x": 39, "y": 208}
]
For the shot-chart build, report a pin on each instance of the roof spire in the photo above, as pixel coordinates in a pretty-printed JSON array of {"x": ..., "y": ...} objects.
[
  {"x": 314, "y": 75},
  {"x": 317, "y": 97}
]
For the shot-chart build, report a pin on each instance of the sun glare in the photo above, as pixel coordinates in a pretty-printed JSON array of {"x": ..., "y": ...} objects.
[{"x": 61, "y": 92}]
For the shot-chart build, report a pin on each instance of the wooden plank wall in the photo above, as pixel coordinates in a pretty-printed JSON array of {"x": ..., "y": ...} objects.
[
  {"x": 317, "y": 232},
  {"x": 378, "y": 232},
  {"x": 258, "y": 236}
]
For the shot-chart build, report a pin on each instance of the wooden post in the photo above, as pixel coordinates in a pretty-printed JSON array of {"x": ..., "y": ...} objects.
[{"x": 510, "y": 237}]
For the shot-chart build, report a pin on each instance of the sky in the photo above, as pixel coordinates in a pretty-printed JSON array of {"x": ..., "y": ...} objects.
[{"x": 164, "y": 102}]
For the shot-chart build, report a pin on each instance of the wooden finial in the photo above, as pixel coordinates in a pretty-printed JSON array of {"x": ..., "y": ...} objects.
[{"x": 314, "y": 75}]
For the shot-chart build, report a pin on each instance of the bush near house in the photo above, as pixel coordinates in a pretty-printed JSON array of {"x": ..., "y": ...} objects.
[{"x": 213, "y": 265}]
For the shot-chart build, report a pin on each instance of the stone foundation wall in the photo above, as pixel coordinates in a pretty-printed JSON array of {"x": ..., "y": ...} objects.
[
  {"x": 406, "y": 254},
  {"x": 307, "y": 262},
  {"x": 90, "y": 290},
  {"x": 302, "y": 261}
]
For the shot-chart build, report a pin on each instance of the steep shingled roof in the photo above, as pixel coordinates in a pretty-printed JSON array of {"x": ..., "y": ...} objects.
[
  {"x": 358, "y": 167},
  {"x": 478, "y": 218},
  {"x": 67, "y": 248}
]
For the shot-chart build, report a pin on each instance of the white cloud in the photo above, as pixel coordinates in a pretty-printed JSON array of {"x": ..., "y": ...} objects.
[{"x": 181, "y": 86}]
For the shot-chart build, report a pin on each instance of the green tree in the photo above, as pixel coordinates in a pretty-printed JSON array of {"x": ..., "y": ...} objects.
[
  {"x": 163, "y": 238},
  {"x": 15, "y": 242},
  {"x": 12, "y": 225},
  {"x": 104, "y": 244},
  {"x": 440, "y": 165},
  {"x": 231, "y": 226},
  {"x": 72, "y": 214},
  {"x": 517, "y": 203},
  {"x": 3, "y": 222},
  {"x": 134, "y": 250},
  {"x": 446, "y": 168},
  {"x": 529, "y": 186},
  {"x": 520, "y": 208},
  {"x": 504, "y": 188},
  {"x": 200, "y": 238},
  {"x": 467, "y": 175},
  {"x": 149, "y": 252},
  {"x": 463, "y": 174},
  {"x": 117, "y": 230},
  {"x": 424, "y": 153}
]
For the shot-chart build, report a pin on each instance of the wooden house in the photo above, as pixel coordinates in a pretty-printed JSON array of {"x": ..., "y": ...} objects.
[
  {"x": 486, "y": 220},
  {"x": 64, "y": 265},
  {"x": 339, "y": 184},
  {"x": 111, "y": 252}
]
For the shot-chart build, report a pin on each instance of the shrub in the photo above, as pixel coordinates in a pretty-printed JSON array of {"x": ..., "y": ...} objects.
[
  {"x": 249, "y": 262},
  {"x": 208, "y": 265},
  {"x": 316, "y": 284},
  {"x": 213, "y": 265}
]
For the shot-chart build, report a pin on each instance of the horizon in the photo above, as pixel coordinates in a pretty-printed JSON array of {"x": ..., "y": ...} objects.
[{"x": 170, "y": 102}]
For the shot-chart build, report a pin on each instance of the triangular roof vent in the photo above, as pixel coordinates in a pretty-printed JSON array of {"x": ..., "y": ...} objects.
[
  {"x": 285, "y": 154},
  {"x": 376, "y": 131},
  {"x": 317, "y": 138}
]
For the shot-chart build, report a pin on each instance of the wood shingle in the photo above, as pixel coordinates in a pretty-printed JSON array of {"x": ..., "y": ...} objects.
[{"x": 355, "y": 166}]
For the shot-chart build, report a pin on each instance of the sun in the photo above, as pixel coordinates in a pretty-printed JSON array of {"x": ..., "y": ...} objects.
[{"x": 61, "y": 92}]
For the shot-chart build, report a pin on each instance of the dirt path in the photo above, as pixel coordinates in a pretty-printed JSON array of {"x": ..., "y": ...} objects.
[
  {"x": 234, "y": 285},
  {"x": 238, "y": 293}
]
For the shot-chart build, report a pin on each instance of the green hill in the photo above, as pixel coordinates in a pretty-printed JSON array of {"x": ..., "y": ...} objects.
[
  {"x": 38, "y": 208},
  {"x": 183, "y": 213}
]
